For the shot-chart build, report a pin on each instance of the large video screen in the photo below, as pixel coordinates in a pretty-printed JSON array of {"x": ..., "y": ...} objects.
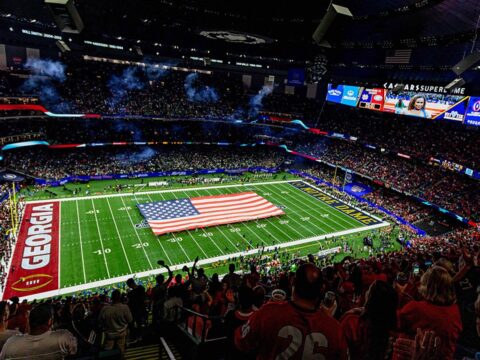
[
  {"x": 472, "y": 116},
  {"x": 426, "y": 105},
  {"x": 343, "y": 94}
]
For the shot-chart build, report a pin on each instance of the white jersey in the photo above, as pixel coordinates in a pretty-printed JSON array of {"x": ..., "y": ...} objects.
[{"x": 52, "y": 345}]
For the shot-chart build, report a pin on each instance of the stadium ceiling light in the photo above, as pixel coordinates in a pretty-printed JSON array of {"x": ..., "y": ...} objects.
[{"x": 10, "y": 28}]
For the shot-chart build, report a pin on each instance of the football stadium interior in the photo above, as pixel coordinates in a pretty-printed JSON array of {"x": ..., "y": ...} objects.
[{"x": 240, "y": 180}]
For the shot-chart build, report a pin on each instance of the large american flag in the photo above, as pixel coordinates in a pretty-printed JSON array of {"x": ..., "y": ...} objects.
[{"x": 198, "y": 212}]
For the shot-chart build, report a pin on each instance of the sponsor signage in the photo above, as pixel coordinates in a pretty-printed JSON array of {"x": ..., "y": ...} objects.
[
  {"x": 35, "y": 262},
  {"x": 343, "y": 94},
  {"x": 372, "y": 99},
  {"x": 472, "y": 116}
]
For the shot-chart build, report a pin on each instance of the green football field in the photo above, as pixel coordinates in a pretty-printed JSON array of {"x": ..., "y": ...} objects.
[{"x": 104, "y": 239}]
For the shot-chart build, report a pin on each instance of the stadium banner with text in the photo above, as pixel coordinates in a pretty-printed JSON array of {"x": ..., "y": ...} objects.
[
  {"x": 472, "y": 115},
  {"x": 343, "y": 94},
  {"x": 337, "y": 204},
  {"x": 296, "y": 77},
  {"x": 35, "y": 262},
  {"x": 360, "y": 199}
]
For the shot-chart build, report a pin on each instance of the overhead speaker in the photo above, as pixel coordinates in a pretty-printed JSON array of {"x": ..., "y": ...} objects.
[
  {"x": 322, "y": 29},
  {"x": 455, "y": 84},
  {"x": 66, "y": 15},
  {"x": 466, "y": 63},
  {"x": 62, "y": 46}
]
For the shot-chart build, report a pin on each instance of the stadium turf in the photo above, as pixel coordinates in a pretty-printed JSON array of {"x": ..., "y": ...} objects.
[{"x": 105, "y": 237}]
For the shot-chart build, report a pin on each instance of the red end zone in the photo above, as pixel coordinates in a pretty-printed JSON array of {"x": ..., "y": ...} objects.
[{"x": 34, "y": 267}]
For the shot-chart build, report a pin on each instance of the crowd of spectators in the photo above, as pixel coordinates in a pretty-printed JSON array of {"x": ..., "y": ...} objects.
[
  {"x": 406, "y": 135},
  {"x": 7, "y": 238},
  {"x": 375, "y": 307},
  {"x": 57, "y": 164},
  {"x": 455, "y": 192}
]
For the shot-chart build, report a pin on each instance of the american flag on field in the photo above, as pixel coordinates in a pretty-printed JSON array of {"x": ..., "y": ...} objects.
[
  {"x": 198, "y": 212},
  {"x": 398, "y": 56}
]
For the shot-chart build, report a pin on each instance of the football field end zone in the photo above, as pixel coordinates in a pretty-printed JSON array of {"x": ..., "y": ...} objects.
[
  {"x": 123, "y": 278},
  {"x": 336, "y": 198},
  {"x": 162, "y": 191}
]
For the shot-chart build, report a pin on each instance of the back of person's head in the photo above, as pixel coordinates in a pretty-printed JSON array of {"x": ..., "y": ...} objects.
[
  {"x": 160, "y": 279},
  {"x": 379, "y": 318},
  {"x": 308, "y": 282},
  {"x": 215, "y": 278},
  {"x": 231, "y": 268},
  {"x": 437, "y": 287},
  {"x": 329, "y": 299},
  {"x": 79, "y": 312},
  {"x": 178, "y": 278},
  {"x": 40, "y": 315},
  {"x": 116, "y": 296},
  {"x": 259, "y": 293},
  {"x": 246, "y": 297},
  {"x": 381, "y": 304},
  {"x": 130, "y": 283},
  {"x": 200, "y": 272}
]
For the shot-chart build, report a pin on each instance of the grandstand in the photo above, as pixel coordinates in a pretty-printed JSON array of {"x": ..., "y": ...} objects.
[{"x": 292, "y": 181}]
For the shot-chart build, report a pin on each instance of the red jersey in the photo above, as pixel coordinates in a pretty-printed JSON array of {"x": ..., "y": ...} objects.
[
  {"x": 284, "y": 331},
  {"x": 444, "y": 320}
]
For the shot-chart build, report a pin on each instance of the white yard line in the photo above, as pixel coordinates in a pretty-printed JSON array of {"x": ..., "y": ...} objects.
[
  {"x": 333, "y": 196},
  {"x": 177, "y": 267},
  {"x": 81, "y": 245},
  {"x": 173, "y": 234},
  {"x": 161, "y": 191},
  {"x": 100, "y": 237},
  {"x": 120, "y": 237},
  {"x": 330, "y": 210},
  {"x": 138, "y": 236}
]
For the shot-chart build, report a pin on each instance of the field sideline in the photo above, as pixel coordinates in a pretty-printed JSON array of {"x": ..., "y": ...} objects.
[{"x": 103, "y": 239}]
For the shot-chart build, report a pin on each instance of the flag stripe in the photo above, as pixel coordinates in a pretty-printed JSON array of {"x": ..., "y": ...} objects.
[
  {"x": 196, "y": 225},
  {"x": 182, "y": 214},
  {"x": 219, "y": 215},
  {"x": 214, "y": 213}
]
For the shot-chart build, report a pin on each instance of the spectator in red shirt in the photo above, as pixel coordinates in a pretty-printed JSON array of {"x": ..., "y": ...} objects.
[
  {"x": 296, "y": 329},
  {"x": 368, "y": 330},
  {"x": 438, "y": 311}
]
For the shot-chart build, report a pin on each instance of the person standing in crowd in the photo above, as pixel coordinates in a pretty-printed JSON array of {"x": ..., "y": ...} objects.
[
  {"x": 368, "y": 330},
  {"x": 159, "y": 295},
  {"x": 437, "y": 311},
  {"x": 295, "y": 329},
  {"x": 114, "y": 320},
  {"x": 41, "y": 342},
  {"x": 5, "y": 333},
  {"x": 136, "y": 303},
  {"x": 236, "y": 318}
]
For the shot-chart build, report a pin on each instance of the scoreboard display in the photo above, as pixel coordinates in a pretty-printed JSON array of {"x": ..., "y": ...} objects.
[
  {"x": 372, "y": 99},
  {"x": 435, "y": 106}
]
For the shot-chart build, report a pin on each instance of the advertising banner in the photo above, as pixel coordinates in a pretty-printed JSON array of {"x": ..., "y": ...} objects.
[
  {"x": 372, "y": 99},
  {"x": 343, "y": 94},
  {"x": 472, "y": 116}
]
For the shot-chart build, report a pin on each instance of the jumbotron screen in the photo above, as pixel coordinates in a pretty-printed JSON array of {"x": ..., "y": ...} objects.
[
  {"x": 450, "y": 107},
  {"x": 424, "y": 105}
]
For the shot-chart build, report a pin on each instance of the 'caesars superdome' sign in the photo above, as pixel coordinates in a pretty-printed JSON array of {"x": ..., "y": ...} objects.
[{"x": 426, "y": 88}]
